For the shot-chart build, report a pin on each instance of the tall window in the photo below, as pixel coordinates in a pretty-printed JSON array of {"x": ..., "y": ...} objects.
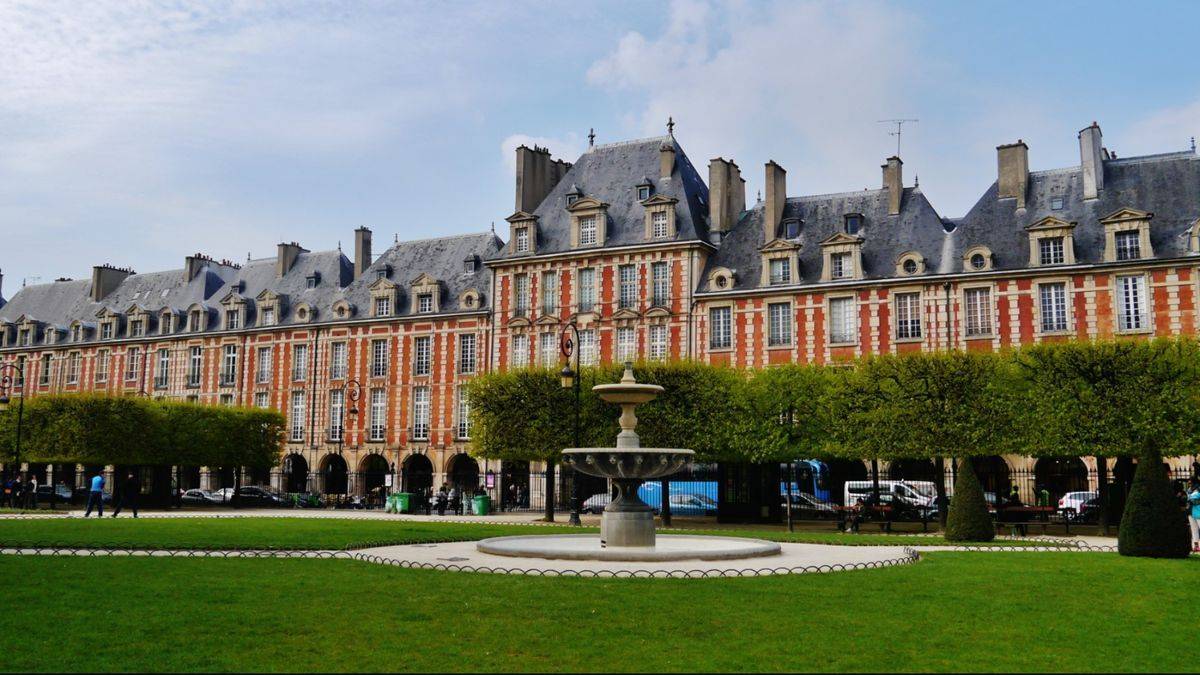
[
  {"x": 194, "y": 320},
  {"x": 421, "y": 413},
  {"x": 162, "y": 368},
  {"x": 658, "y": 224},
  {"x": 383, "y": 306},
  {"x": 337, "y": 414},
  {"x": 228, "y": 365},
  {"x": 233, "y": 319},
  {"x": 466, "y": 353},
  {"x": 978, "y": 303},
  {"x": 337, "y": 361},
  {"x": 521, "y": 294},
  {"x": 842, "y": 266},
  {"x": 195, "y": 366},
  {"x": 548, "y": 349},
  {"x": 779, "y": 324},
  {"x": 908, "y": 316},
  {"x": 133, "y": 363},
  {"x": 265, "y": 365},
  {"x": 421, "y": 356},
  {"x": 522, "y": 239},
  {"x": 262, "y": 399},
  {"x": 658, "y": 342},
  {"x": 1129, "y": 245},
  {"x": 626, "y": 345},
  {"x": 1053, "y": 303},
  {"x": 463, "y": 415},
  {"x": 379, "y": 358},
  {"x": 102, "y": 366},
  {"x": 268, "y": 316},
  {"x": 424, "y": 303},
  {"x": 628, "y": 276},
  {"x": 137, "y": 328},
  {"x": 299, "y": 363},
  {"x": 843, "y": 321},
  {"x": 44, "y": 376},
  {"x": 720, "y": 333},
  {"x": 587, "y": 347},
  {"x": 1131, "y": 299},
  {"x": 587, "y": 231},
  {"x": 297, "y": 421},
  {"x": 378, "y": 428},
  {"x": 1050, "y": 251},
  {"x": 587, "y": 289},
  {"x": 106, "y": 332},
  {"x": 520, "y": 351},
  {"x": 660, "y": 274},
  {"x": 781, "y": 270},
  {"x": 549, "y": 292},
  {"x": 73, "y": 368}
]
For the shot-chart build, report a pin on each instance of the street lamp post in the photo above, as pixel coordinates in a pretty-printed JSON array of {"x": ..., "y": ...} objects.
[
  {"x": 8, "y": 372},
  {"x": 571, "y": 379},
  {"x": 351, "y": 392}
]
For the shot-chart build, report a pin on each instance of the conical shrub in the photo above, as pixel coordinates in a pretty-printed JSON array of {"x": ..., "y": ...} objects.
[
  {"x": 1154, "y": 524},
  {"x": 968, "y": 519}
]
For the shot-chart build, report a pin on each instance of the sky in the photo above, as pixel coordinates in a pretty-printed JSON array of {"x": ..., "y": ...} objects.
[{"x": 136, "y": 133}]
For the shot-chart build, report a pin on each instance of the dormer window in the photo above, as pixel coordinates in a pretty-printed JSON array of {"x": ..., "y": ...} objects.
[
  {"x": 233, "y": 319},
  {"x": 424, "y": 303},
  {"x": 978, "y": 261},
  {"x": 643, "y": 192},
  {"x": 522, "y": 236},
  {"x": 791, "y": 228},
  {"x": 383, "y": 306},
  {"x": 1051, "y": 242},
  {"x": 587, "y": 231},
  {"x": 106, "y": 330},
  {"x": 1051, "y": 251},
  {"x": 781, "y": 271},
  {"x": 469, "y": 264},
  {"x": 841, "y": 266},
  {"x": 574, "y": 195},
  {"x": 1056, "y": 203},
  {"x": 137, "y": 328},
  {"x": 1128, "y": 245},
  {"x": 76, "y": 331},
  {"x": 910, "y": 263},
  {"x": 164, "y": 324},
  {"x": 312, "y": 280},
  {"x": 841, "y": 255},
  {"x": 571, "y": 199},
  {"x": 658, "y": 225},
  {"x": 267, "y": 316},
  {"x": 1127, "y": 235},
  {"x": 194, "y": 321},
  {"x": 854, "y": 223}
]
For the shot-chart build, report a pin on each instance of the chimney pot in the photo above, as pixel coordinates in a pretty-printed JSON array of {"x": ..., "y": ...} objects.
[
  {"x": 1091, "y": 160},
  {"x": 362, "y": 251},
  {"x": 893, "y": 182},
  {"x": 726, "y": 194},
  {"x": 287, "y": 255},
  {"x": 1012, "y": 168},
  {"x": 106, "y": 279},
  {"x": 776, "y": 181},
  {"x": 666, "y": 159}
]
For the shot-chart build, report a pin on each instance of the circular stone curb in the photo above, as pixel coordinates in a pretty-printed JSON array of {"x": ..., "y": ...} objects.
[{"x": 668, "y": 548}]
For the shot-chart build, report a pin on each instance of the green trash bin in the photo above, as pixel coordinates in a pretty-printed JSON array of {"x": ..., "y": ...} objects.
[
  {"x": 483, "y": 504},
  {"x": 402, "y": 501}
]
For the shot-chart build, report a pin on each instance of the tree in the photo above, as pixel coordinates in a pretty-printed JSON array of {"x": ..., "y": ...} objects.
[
  {"x": 786, "y": 413},
  {"x": 969, "y": 519},
  {"x": 1153, "y": 525}
]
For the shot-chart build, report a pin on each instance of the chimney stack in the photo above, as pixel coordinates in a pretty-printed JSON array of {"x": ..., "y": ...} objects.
[
  {"x": 776, "y": 179},
  {"x": 106, "y": 279},
  {"x": 362, "y": 251},
  {"x": 1091, "y": 160},
  {"x": 193, "y": 264},
  {"x": 1, "y": 288},
  {"x": 666, "y": 159},
  {"x": 893, "y": 182},
  {"x": 1012, "y": 163},
  {"x": 537, "y": 175},
  {"x": 287, "y": 257},
  {"x": 726, "y": 196}
]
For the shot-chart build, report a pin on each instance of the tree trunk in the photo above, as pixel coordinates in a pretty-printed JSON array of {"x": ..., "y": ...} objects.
[
  {"x": 550, "y": 492},
  {"x": 1102, "y": 488},
  {"x": 943, "y": 505},
  {"x": 237, "y": 487},
  {"x": 666, "y": 503}
]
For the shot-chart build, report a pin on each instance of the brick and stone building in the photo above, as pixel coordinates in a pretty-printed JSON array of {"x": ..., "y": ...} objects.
[{"x": 367, "y": 355}]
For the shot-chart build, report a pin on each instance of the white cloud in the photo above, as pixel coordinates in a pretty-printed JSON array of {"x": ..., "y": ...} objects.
[{"x": 1163, "y": 131}]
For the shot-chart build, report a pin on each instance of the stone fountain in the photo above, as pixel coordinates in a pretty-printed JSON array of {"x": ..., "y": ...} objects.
[{"x": 627, "y": 526}]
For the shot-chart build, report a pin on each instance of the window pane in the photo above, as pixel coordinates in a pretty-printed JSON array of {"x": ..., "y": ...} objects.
[
  {"x": 908, "y": 316},
  {"x": 779, "y": 320},
  {"x": 719, "y": 329},
  {"x": 842, "y": 321},
  {"x": 1053, "y": 305}
]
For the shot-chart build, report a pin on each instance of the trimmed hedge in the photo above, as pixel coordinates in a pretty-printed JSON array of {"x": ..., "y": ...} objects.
[
  {"x": 969, "y": 519},
  {"x": 1154, "y": 525}
]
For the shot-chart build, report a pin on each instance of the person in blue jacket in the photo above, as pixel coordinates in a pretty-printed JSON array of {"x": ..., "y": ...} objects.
[
  {"x": 96, "y": 496},
  {"x": 1194, "y": 514}
]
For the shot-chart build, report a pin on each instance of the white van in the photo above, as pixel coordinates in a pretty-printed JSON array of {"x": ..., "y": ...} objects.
[{"x": 921, "y": 493}]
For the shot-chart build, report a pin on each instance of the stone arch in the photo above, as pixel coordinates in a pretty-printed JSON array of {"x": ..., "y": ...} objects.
[
  {"x": 994, "y": 475},
  {"x": 514, "y": 482},
  {"x": 462, "y": 471},
  {"x": 913, "y": 469},
  {"x": 334, "y": 474},
  {"x": 1060, "y": 475},
  {"x": 374, "y": 469},
  {"x": 841, "y": 471},
  {"x": 416, "y": 474}
]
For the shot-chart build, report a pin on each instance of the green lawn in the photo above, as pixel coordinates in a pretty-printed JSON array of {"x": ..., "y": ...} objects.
[
  {"x": 330, "y": 533},
  {"x": 951, "y": 611}
]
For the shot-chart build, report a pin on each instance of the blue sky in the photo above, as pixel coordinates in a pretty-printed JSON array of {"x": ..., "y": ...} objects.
[{"x": 137, "y": 133}]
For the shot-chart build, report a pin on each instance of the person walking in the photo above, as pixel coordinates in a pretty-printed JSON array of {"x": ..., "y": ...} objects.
[
  {"x": 130, "y": 490},
  {"x": 96, "y": 496},
  {"x": 1194, "y": 515}
]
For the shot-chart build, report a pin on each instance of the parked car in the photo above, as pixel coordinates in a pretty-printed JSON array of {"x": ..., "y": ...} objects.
[
  {"x": 919, "y": 493},
  {"x": 807, "y": 505},
  {"x": 222, "y": 496},
  {"x": 80, "y": 496},
  {"x": 261, "y": 497},
  {"x": 196, "y": 497},
  {"x": 57, "y": 493},
  {"x": 692, "y": 505},
  {"x": 1075, "y": 500}
]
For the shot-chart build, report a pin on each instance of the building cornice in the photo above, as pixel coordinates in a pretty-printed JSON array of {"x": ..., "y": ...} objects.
[{"x": 600, "y": 250}]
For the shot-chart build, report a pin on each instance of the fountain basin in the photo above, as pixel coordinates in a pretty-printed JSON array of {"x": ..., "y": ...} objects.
[
  {"x": 667, "y": 547},
  {"x": 640, "y": 464}
]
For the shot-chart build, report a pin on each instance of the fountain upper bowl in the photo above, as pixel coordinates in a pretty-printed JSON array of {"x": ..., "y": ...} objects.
[
  {"x": 621, "y": 392},
  {"x": 628, "y": 463}
]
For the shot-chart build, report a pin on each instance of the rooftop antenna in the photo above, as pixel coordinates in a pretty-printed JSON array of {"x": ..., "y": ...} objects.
[
  {"x": 1193, "y": 144},
  {"x": 493, "y": 227},
  {"x": 670, "y": 126},
  {"x": 899, "y": 122},
  {"x": 591, "y": 137}
]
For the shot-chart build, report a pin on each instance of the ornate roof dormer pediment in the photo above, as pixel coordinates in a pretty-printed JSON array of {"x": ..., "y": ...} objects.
[
  {"x": 1050, "y": 223},
  {"x": 780, "y": 245},
  {"x": 660, "y": 199},
  {"x": 625, "y": 314},
  {"x": 383, "y": 284},
  {"x": 268, "y": 295},
  {"x": 1126, "y": 214},
  {"x": 233, "y": 298},
  {"x": 521, "y": 217},
  {"x": 587, "y": 204},
  {"x": 842, "y": 239}
]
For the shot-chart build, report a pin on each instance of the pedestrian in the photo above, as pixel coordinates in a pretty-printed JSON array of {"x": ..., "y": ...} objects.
[
  {"x": 1194, "y": 515},
  {"x": 96, "y": 496},
  {"x": 31, "y": 493},
  {"x": 130, "y": 489},
  {"x": 1014, "y": 515},
  {"x": 442, "y": 498}
]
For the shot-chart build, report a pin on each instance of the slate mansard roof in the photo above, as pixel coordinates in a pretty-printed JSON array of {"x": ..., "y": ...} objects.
[{"x": 611, "y": 173}]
